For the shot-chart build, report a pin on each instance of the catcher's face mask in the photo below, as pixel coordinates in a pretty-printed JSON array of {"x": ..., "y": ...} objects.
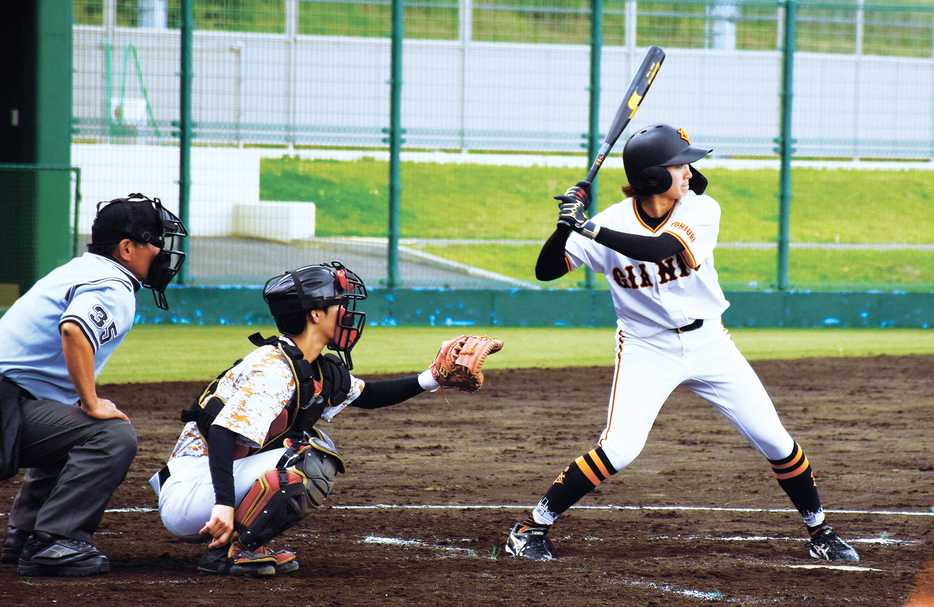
[{"x": 350, "y": 322}]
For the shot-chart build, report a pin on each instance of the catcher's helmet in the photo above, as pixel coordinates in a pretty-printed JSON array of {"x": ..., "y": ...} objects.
[
  {"x": 655, "y": 147},
  {"x": 144, "y": 220},
  {"x": 292, "y": 295}
]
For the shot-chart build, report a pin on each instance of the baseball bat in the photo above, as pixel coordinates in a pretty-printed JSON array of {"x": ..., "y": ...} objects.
[{"x": 638, "y": 87}]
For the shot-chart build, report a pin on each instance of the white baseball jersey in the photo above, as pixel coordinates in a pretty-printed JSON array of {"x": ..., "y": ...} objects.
[
  {"x": 96, "y": 293},
  {"x": 650, "y": 297}
]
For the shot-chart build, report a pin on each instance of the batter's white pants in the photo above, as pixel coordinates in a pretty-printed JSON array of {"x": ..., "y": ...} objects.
[
  {"x": 707, "y": 362},
  {"x": 187, "y": 496}
]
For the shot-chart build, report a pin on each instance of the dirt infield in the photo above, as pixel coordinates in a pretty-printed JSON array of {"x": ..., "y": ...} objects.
[{"x": 432, "y": 487}]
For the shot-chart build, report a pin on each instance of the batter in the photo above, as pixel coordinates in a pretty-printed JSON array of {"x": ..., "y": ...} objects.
[{"x": 655, "y": 249}]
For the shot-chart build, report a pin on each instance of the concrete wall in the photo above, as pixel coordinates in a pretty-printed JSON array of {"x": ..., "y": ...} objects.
[{"x": 322, "y": 90}]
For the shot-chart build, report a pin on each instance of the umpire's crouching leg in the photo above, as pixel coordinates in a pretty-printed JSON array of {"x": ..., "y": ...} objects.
[{"x": 75, "y": 464}]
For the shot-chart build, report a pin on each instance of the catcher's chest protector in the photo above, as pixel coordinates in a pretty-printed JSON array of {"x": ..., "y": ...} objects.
[{"x": 312, "y": 395}]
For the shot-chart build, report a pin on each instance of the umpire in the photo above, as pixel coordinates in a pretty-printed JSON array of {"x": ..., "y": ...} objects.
[{"x": 56, "y": 339}]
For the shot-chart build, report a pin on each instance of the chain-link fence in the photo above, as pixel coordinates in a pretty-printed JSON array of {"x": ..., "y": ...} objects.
[
  {"x": 290, "y": 111},
  {"x": 22, "y": 187}
]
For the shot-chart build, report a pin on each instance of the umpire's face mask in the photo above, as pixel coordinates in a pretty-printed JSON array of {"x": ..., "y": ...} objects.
[
  {"x": 163, "y": 269},
  {"x": 169, "y": 260}
]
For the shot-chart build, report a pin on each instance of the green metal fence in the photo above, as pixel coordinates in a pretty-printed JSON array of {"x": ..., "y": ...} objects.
[
  {"x": 291, "y": 131},
  {"x": 22, "y": 188}
]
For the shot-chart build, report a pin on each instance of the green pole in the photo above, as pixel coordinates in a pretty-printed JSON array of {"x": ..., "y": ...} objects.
[
  {"x": 594, "y": 139},
  {"x": 109, "y": 85},
  {"x": 184, "y": 144},
  {"x": 785, "y": 141},
  {"x": 395, "y": 143}
]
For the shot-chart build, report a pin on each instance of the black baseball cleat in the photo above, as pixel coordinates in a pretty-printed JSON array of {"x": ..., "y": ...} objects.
[
  {"x": 47, "y": 555},
  {"x": 827, "y": 545},
  {"x": 234, "y": 560},
  {"x": 530, "y": 542},
  {"x": 285, "y": 559},
  {"x": 13, "y": 545}
]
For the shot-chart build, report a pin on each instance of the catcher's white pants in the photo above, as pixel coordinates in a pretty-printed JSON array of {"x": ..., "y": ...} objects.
[
  {"x": 187, "y": 496},
  {"x": 705, "y": 361}
]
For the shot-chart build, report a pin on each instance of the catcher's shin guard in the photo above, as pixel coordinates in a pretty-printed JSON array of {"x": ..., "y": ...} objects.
[{"x": 284, "y": 495}]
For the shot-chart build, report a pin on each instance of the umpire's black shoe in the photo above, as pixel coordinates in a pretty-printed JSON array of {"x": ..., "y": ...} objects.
[
  {"x": 530, "y": 542},
  {"x": 46, "y": 555},
  {"x": 13, "y": 545},
  {"x": 827, "y": 545}
]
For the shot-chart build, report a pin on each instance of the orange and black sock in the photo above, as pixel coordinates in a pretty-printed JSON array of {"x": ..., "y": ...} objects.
[
  {"x": 795, "y": 476},
  {"x": 577, "y": 480}
]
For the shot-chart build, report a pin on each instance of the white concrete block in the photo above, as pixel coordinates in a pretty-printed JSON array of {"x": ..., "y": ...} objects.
[{"x": 282, "y": 221}]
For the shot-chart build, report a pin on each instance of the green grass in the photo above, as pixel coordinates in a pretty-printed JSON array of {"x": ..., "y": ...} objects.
[
  {"x": 156, "y": 353},
  {"x": 738, "y": 269},
  {"x": 508, "y": 203},
  {"x": 492, "y": 203}
]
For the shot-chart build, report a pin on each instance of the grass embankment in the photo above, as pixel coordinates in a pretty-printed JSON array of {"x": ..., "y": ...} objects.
[{"x": 496, "y": 204}]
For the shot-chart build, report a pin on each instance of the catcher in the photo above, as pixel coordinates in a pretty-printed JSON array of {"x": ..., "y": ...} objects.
[{"x": 250, "y": 462}]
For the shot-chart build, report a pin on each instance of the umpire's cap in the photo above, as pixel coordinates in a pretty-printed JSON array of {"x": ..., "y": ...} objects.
[
  {"x": 137, "y": 217},
  {"x": 655, "y": 147}
]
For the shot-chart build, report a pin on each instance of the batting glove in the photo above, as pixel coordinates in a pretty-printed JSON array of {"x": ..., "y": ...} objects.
[{"x": 572, "y": 214}]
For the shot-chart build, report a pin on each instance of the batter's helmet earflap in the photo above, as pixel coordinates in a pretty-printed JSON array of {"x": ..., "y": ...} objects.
[
  {"x": 143, "y": 219},
  {"x": 650, "y": 150},
  {"x": 292, "y": 295}
]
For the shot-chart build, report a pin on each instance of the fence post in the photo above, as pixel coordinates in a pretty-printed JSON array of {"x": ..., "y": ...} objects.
[
  {"x": 785, "y": 144},
  {"x": 465, "y": 35},
  {"x": 184, "y": 142},
  {"x": 395, "y": 143},
  {"x": 593, "y": 139}
]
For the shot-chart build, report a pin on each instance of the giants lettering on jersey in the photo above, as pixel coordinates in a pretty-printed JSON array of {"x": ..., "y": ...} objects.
[{"x": 626, "y": 277}]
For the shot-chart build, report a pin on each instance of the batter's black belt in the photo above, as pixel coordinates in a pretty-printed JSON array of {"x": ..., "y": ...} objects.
[
  {"x": 164, "y": 475},
  {"x": 697, "y": 324}
]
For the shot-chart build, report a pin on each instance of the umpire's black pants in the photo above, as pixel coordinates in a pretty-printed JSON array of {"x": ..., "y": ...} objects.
[{"x": 75, "y": 463}]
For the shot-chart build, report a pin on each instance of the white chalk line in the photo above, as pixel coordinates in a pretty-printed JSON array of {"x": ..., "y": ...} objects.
[
  {"x": 714, "y": 595},
  {"x": 882, "y": 541},
  {"x": 608, "y": 507},
  {"x": 611, "y": 507}
]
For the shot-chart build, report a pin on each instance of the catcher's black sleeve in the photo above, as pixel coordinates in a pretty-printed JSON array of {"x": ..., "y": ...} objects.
[
  {"x": 551, "y": 262},
  {"x": 221, "y": 444},
  {"x": 643, "y": 248},
  {"x": 387, "y": 392}
]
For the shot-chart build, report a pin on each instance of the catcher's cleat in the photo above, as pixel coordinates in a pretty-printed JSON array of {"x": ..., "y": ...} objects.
[
  {"x": 13, "y": 545},
  {"x": 234, "y": 560},
  {"x": 285, "y": 560},
  {"x": 827, "y": 545},
  {"x": 45, "y": 555},
  {"x": 530, "y": 542}
]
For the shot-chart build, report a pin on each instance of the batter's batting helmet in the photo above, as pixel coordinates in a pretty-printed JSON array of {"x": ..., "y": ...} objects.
[
  {"x": 292, "y": 295},
  {"x": 143, "y": 219},
  {"x": 655, "y": 147}
]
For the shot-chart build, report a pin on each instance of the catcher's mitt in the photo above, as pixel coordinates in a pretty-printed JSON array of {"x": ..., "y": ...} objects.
[{"x": 459, "y": 361}]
